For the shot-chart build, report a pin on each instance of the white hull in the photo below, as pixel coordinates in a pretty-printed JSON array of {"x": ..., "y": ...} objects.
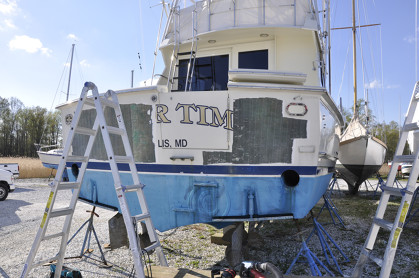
[
  {"x": 253, "y": 133},
  {"x": 359, "y": 159},
  {"x": 365, "y": 150},
  {"x": 50, "y": 159}
]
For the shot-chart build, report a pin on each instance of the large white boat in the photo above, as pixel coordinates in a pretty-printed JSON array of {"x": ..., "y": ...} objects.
[
  {"x": 240, "y": 125},
  {"x": 360, "y": 154}
]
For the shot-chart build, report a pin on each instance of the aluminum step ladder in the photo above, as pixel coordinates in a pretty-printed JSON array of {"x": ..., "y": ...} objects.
[
  {"x": 194, "y": 49},
  {"x": 52, "y": 213},
  {"x": 395, "y": 227}
]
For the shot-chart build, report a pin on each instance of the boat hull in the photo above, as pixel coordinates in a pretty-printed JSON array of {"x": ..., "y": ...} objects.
[
  {"x": 49, "y": 159},
  {"x": 181, "y": 199},
  {"x": 215, "y": 157},
  {"x": 359, "y": 159}
]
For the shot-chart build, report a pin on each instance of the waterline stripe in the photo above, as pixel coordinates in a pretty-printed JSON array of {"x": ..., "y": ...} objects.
[{"x": 204, "y": 169}]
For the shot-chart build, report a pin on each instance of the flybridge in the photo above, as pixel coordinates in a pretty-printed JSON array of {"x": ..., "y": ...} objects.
[{"x": 216, "y": 15}]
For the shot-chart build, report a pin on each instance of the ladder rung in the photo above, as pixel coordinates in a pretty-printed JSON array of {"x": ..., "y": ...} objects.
[
  {"x": 108, "y": 102},
  {"x": 186, "y": 53},
  {"x": 375, "y": 259},
  {"x": 141, "y": 216},
  {"x": 115, "y": 130},
  {"x": 404, "y": 158},
  {"x": 123, "y": 159},
  {"x": 61, "y": 212},
  {"x": 383, "y": 223},
  {"x": 152, "y": 246},
  {"x": 67, "y": 185},
  {"x": 48, "y": 237},
  {"x": 85, "y": 131},
  {"x": 90, "y": 101},
  {"x": 76, "y": 158},
  {"x": 129, "y": 188},
  {"x": 392, "y": 190},
  {"x": 412, "y": 126},
  {"x": 104, "y": 101},
  {"x": 44, "y": 262}
]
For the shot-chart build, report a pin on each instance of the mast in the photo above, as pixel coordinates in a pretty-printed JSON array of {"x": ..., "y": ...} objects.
[
  {"x": 69, "y": 74},
  {"x": 329, "y": 34},
  {"x": 354, "y": 56},
  {"x": 132, "y": 78}
]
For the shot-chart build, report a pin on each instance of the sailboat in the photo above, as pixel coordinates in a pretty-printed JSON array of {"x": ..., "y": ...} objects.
[
  {"x": 360, "y": 154},
  {"x": 50, "y": 155},
  {"x": 240, "y": 126}
]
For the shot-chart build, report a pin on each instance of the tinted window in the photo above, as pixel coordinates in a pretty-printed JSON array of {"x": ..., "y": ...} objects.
[
  {"x": 210, "y": 73},
  {"x": 257, "y": 59}
]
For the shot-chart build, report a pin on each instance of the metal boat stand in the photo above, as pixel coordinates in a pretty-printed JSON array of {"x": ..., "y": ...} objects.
[
  {"x": 329, "y": 205},
  {"x": 88, "y": 237},
  {"x": 311, "y": 259},
  {"x": 368, "y": 183},
  {"x": 380, "y": 183},
  {"x": 334, "y": 182}
]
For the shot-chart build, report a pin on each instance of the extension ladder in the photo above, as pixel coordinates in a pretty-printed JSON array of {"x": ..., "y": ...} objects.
[
  {"x": 388, "y": 190},
  {"x": 99, "y": 102},
  {"x": 174, "y": 61}
]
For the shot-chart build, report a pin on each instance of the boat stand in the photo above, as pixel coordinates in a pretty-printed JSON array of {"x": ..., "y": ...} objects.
[
  {"x": 380, "y": 183},
  {"x": 368, "y": 183},
  {"x": 328, "y": 203},
  {"x": 331, "y": 207},
  {"x": 333, "y": 183},
  {"x": 311, "y": 258},
  {"x": 88, "y": 237}
]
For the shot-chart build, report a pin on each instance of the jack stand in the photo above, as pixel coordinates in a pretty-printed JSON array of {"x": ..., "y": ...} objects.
[
  {"x": 409, "y": 215},
  {"x": 320, "y": 232},
  {"x": 311, "y": 260},
  {"x": 330, "y": 206},
  {"x": 50, "y": 174},
  {"x": 368, "y": 183},
  {"x": 333, "y": 183},
  {"x": 380, "y": 183},
  {"x": 87, "y": 238}
]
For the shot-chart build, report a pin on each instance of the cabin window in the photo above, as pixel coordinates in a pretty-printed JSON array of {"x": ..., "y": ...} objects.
[
  {"x": 210, "y": 73},
  {"x": 257, "y": 59}
]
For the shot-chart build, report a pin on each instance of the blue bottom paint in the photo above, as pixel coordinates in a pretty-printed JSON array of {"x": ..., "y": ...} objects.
[
  {"x": 179, "y": 200},
  {"x": 48, "y": 165}
]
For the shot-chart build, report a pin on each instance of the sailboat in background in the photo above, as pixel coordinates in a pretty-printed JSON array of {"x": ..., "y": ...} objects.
[
  {"x": 50, "y": 154},
  {"x": 360, "y": 153}
]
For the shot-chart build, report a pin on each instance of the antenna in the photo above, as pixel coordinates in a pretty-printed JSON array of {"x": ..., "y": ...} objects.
[{"x": 132, "y": 78}]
